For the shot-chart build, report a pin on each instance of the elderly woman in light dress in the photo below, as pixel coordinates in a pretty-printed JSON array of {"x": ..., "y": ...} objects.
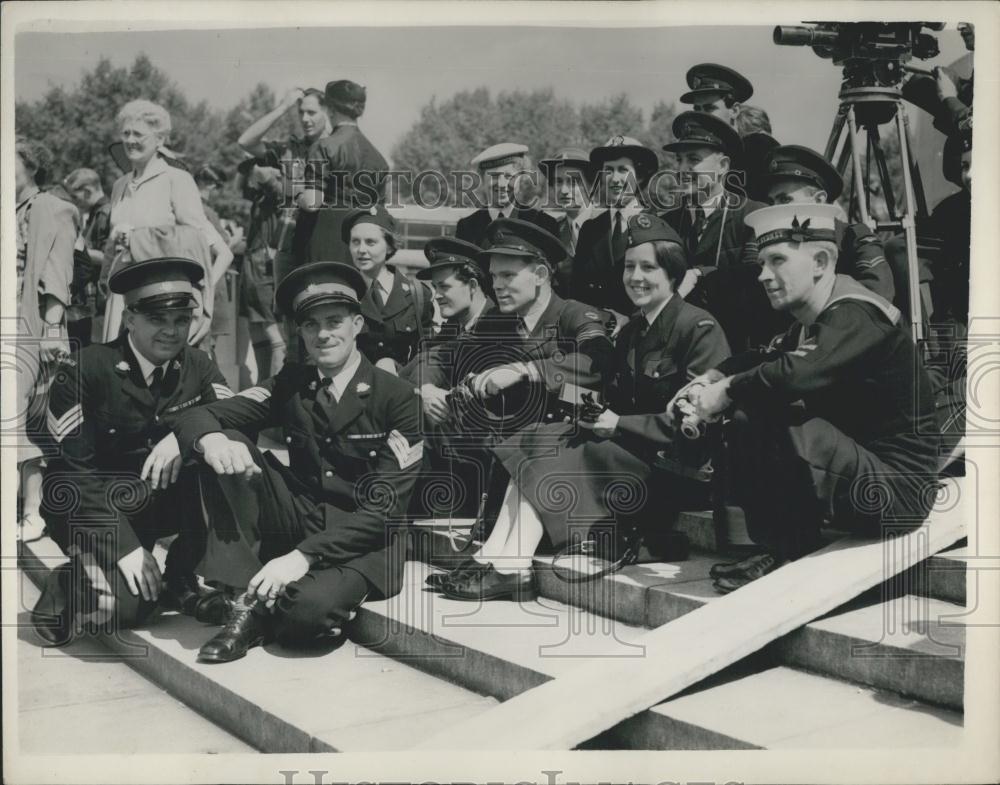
[{"x": 156, "y": 210}]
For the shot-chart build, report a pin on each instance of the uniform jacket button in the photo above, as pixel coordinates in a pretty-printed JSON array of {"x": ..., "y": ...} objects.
[
  {"x": 408, "y": 328},
  {"x": 548, "y": 416},
  {"x": 380, "y": 344},
  {"x": 111, "y": 430},
  {"x": 656, "y": 374},
  {"x": 372, "y": 454},
  {"x": 329, "y": 473},
  {"x": 288, "y": 440},
  {"x": 328, "y": 440}
]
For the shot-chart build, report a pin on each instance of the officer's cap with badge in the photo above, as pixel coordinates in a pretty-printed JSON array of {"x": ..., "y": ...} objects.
[
  {"x": 567, "y": 158},
  {"x": 710, "y": 78},
  {"x": 319, "y": 283},
  {"x": 793, "y": 223},
  {"x": 444, "y": 252},
  {"x": 376, "y": 214},
  {"x": 794, "y": 162},
  {"x": 645, "y": 160},
  {"x": 498, "y": 155},
  {"x": 647, "y": 228},
  {"x": 701, "y": 129},
  {"x": 523, "y": 239},
  {"x": 160, "y": 284}
]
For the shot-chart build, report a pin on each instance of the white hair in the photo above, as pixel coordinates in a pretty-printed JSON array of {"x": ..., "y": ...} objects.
[{"x": 152, "y": 115}]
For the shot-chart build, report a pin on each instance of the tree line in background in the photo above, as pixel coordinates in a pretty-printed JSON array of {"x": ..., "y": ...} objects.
[{"x": 78, "y": 125}]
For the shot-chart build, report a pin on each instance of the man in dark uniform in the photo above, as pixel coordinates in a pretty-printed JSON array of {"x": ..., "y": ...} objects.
[
  {"x": 624, "y": 166},
  {"x": 570, "y": 177},
  {"x": 502, "y": 167},
  {"x": 540, "y": 347},
  {"x": 798, "y": 175},
  {"x": 303, "y": 546},
  {"x": 834, "y": 420},
  {"x": 717, "y": 90},
  {"x": 117, "y": 484},
  {"x": 345, "y": 172},
  {"x": 721, "y": 249}
]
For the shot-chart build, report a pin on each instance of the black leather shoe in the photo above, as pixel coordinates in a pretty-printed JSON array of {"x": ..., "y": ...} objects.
[
  {"x": 213, "y": 607},
  {"x": 747, "y": 571},
  {"x": 52, "y": 615},
  {"x": 437, "y": 579},
  {"x": 245, "y": 628},
  {"x": 488, "y": 584},
  {"x": 181, "y": 592}
]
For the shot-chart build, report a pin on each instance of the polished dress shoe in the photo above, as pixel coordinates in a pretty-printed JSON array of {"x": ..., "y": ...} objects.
[
  {"x": 181, "y": 592},
  {"x": 746, "y": 571},
  {"x": 213, "y": 607},
  {"x": 52, "y": 616},
  {"x": 246, "y": 627},
  {"x": 437, "y": 579},
  {"x": 488, "y": 584}
]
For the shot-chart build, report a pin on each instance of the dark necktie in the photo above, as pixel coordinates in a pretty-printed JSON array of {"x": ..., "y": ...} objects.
[
  {"x": 633, "y": 352},
  {"x": 377, "y": 295},
  {"x": 156, "y": 385},
  {"x": 326, "y": 391},
  {"x": 697, "y": 227},
  {"x": 617, "y": 239}
]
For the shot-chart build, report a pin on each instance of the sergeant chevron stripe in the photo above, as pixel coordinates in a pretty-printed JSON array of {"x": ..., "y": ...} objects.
[
  {"x": 259, "y": 394},
  {"x": 222, "y": 391},
  {"x": 59, "y": 427}
]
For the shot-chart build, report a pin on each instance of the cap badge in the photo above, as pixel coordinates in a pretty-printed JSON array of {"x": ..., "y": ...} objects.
[
  {"x": 373, "y": 210},
  {"x": 774, "y": 166},
  {"x": 406, "y": 287},
  {"x": 498, "y": 235},
  {"x": 696, "y": 82},
  {"x": 618, "y": 141},
  {"x": 451, "y": 259},
  {"x": 176, "y": 365},
  {"x": 798, "y": 233},
  {"x": 643, "y": 221}
]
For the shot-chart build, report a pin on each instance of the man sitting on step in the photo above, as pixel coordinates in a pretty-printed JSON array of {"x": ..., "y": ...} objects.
[
  {"x": 117, "y": 484},
  {"x": 302, "y": 546},
  {"x": 834, "y": 421}
]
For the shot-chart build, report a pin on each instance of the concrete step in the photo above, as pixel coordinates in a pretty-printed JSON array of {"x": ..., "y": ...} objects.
[
  {"x": 503, "y": 648},
  {"x": 73, "y": 700},
  {"x": 347, "y": 699}
]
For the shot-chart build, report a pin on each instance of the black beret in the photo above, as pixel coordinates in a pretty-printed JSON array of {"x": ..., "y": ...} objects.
[
  {"x": 376, "y": 214},
  {"x": 319, "y": 283},
  {"x": 701, "y": 129},
  {"x": 647, "y": 227},
  {"x": 165, "y": 282},
  {"x": 792, "y": 161},
  {"x": 713, "y": 78},
  {"x": 514, "y": 237},
  {"x": 449, "y": 252}
]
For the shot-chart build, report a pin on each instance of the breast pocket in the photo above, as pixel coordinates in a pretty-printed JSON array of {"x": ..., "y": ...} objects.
[
  {"x": 662, "y": 378},
  {"x": 356, "y": 458}
]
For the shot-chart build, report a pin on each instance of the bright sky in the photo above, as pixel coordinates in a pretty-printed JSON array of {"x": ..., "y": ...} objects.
[{"x": 404, "y": 68}]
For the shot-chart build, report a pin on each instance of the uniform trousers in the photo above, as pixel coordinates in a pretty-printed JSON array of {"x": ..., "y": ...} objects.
[
  {"x": 791, "y": 472},
  {"x": 250, "y": 523}
]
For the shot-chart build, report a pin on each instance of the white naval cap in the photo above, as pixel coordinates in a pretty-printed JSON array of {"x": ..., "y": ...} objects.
[{"x": 793, "y": 223}]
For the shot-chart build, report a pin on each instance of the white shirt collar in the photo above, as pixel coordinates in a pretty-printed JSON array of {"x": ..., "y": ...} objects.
[
  {"x": 712, "y": 204},
  {"x": 145, "y": 365},
  {"x": 537, "y": 309},
  {"x": 385, "y": 279},
  {"x": 343, "y": 377},
  {"x": 506, "y": 212},
  {"x": 655, "y": 313}
]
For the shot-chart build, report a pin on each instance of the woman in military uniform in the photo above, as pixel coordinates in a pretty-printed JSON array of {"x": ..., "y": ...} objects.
[
  {"x": 603, "y": 470},
  {"x": 398, "y": 309}
]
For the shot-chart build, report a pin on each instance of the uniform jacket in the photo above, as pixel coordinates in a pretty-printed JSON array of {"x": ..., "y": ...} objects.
[
  {"x": 854, "y": 367},
  {"x": 862, "y": 257},
  {"x": 395, "y": 329},
  {"x": 652, "y": 364},
  {"x": 103, "y": 417},
  {"x": 347, "y": 459},
  {"x": 596, "y": 277},
  {"x": 472, "y": 228}
]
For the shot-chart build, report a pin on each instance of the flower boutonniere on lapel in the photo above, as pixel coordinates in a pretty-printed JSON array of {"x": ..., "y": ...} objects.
[
  {"x": 406, "y": 287},
  {"x": 123, "y": 367},
  {"x": 363, "y": 389},
  {"x": 176, "y": 365},
  {"x": 312, "y": 385}
]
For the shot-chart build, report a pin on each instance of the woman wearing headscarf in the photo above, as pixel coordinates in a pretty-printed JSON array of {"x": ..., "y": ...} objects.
[
  {"x": 156, "y": 210},
  {"x": 47, "y": 227}
]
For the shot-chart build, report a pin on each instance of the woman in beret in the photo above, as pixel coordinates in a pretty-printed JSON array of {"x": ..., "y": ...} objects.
[
  {"x": 156, "y": 210},
  {"x": 46, "y": 230},
  {"x": 398, "y": 309},
  {"x": 600, "y": 471}
]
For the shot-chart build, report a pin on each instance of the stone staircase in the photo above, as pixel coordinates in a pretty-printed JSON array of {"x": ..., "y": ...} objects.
[{"x": 885, "y": 670}]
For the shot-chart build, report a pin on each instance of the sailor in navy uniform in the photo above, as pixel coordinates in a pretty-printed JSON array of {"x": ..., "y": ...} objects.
[
  {"x": 720, "y": 246},
  {"x": 835, "y": 420},
  {"x": 798, "y": 175},
  {"x": 117, "y": 484},
  {"x": 501, "y": 167},
  {"x": 398, "y": 309},
  {"x": 303, "y": 545},
  {"x": 625, "y": 166}
]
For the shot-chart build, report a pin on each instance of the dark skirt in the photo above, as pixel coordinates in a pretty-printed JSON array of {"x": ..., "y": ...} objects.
[{"x": 575, "y": 479}]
